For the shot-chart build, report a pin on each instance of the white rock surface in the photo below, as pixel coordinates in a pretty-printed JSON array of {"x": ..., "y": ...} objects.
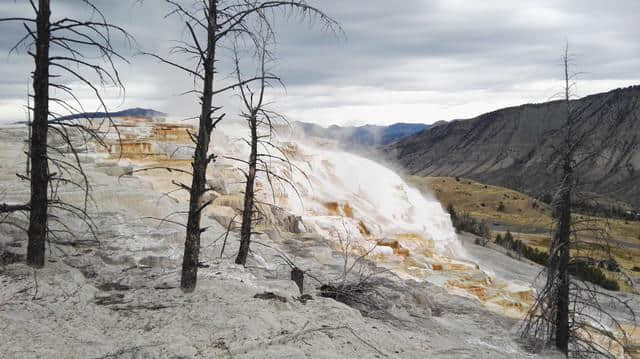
[{"x": 119, "y": 298}]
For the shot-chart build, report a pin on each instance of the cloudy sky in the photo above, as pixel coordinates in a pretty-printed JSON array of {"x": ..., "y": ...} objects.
[{"x": 410, "y": 60}]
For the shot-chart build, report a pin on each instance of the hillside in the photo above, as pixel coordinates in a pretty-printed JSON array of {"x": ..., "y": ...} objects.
[
  {"x": 512, "y": 147},
  {"x": 528, "y": 219},
  {"x": 361, "y": 136},
  {"x": 131, "y": 112}
]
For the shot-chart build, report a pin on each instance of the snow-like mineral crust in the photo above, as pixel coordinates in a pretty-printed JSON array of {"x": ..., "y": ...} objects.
[{"x": 119, "y": 298}]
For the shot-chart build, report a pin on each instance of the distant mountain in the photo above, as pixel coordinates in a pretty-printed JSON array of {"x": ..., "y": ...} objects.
[
  {"x": 512, "y": 147},
  {"x": 361, "y": 136},
  {"x": 131, "y": 112}
]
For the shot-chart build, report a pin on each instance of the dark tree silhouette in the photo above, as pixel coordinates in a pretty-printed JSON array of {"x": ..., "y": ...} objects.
[
  {"x": 253, "y": 103},
  {"x": 61, "y": 48},
  {"x": 264, "y": 154},
  {"x": 568, "y": 313}
]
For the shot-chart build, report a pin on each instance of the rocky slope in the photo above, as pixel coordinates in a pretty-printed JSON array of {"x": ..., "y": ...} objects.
[{"x": 512, "y": 147}]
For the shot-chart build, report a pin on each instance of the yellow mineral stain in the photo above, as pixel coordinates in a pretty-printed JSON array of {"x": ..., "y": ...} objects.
[
  {"x": 333, "y": 208},
  {"x": 347, "y": 209},
  {"x": 130, "y": 149},
  {"x": 363, "y": 229},
  {"x": 172, "y": 132}
]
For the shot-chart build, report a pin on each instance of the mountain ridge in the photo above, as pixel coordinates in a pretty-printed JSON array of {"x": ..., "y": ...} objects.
[
  {"x": 133, "y": 112},
  {"x": 512, "y": 147},
  {"x": 361, "y": 136}
]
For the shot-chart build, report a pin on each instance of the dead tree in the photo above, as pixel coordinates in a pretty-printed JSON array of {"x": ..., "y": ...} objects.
[
  {"x": 559, "y": 259},
  {"x": 62, "y": 49},
  {"x": 256, "y": 116},
  {"x": 253, "y": 103},
  {"x": 39, "y": 165},
  {"x": 567, "y": 312},
  {"x": 265, "y": 155},
  {"x": 212, "y": 24}
]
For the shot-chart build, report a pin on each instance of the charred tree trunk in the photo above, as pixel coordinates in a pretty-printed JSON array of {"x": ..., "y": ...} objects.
[
  {"x": 9, "y": 208},
  {"x": 37, "y": 231},
  {"x": 247, "y": 214},
  {"x": 200, "y": 160},
  {"x": 564, "y": 311},
  {"x": 297, "y": 276},
  {"x": 563, "y": 231}
]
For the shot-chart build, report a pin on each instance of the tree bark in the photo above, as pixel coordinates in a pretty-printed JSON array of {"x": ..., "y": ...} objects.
[
  {"x": 200, "y": 160},
  {"x": 247, "y": 214},
  {"x": 9, "y": 208},
  {"x": 564, "y": 233},
  {"x": 564, "y": 227},
  {"x": 37, "y": 231}
]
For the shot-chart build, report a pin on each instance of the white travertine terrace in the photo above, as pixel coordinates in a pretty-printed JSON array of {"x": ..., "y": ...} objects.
[{"x": 340, "y": 196}]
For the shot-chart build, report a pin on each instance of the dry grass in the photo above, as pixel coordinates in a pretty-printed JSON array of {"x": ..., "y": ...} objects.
[
  {"x": 529, "y": 224},
  {"x": 482, "y": 201}
]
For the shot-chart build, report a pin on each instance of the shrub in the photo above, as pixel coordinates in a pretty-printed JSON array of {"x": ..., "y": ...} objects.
[
  {"x": 609, "y": 264},
  {"x": 589, "y": 273},
  {"x": 583, "y": 270},
  {"x": 516, "y": 245},
  {"x": 547, "y": 198},
  {"x": 464, "y": 222},
  {"x": 508, "y": 236},
  {"x": 482, "y": 241},
  {"x": 452, "y": 212}
]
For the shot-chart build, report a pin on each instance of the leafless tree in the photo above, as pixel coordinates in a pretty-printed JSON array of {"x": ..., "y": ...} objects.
[
  {"x": 62, "y": 49},
  {"x": 254, "y": 114},
  {"x": 265, "y": 155},
  {"x": 210, "y": 25},
  {"x": 568, "y": 311}
]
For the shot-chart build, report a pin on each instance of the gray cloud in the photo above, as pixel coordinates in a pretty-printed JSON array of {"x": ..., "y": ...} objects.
[{"x": 414, "y": 60}]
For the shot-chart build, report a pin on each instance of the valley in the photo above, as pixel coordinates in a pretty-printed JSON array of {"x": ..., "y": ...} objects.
[{"x": 530, "y": 220}]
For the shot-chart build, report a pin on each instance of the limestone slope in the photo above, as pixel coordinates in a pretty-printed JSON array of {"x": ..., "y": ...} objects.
[{"x": 119, "y": 297}]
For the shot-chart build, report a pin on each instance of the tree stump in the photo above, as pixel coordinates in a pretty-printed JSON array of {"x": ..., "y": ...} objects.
[{"x": 297, "y": 276}]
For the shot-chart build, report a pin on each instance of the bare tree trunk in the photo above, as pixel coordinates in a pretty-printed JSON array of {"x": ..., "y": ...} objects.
[
  {"x": 562, "y": 309},
  {"x": 200, "y": 160},
  {"x": 247, "y": 214},
  {"x": 563, "y": 232},
  {"x": 37, "y": 231}
]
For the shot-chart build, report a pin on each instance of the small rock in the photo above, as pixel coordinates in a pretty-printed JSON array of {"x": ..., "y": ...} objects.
[{"x": 270, "y": 296}]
